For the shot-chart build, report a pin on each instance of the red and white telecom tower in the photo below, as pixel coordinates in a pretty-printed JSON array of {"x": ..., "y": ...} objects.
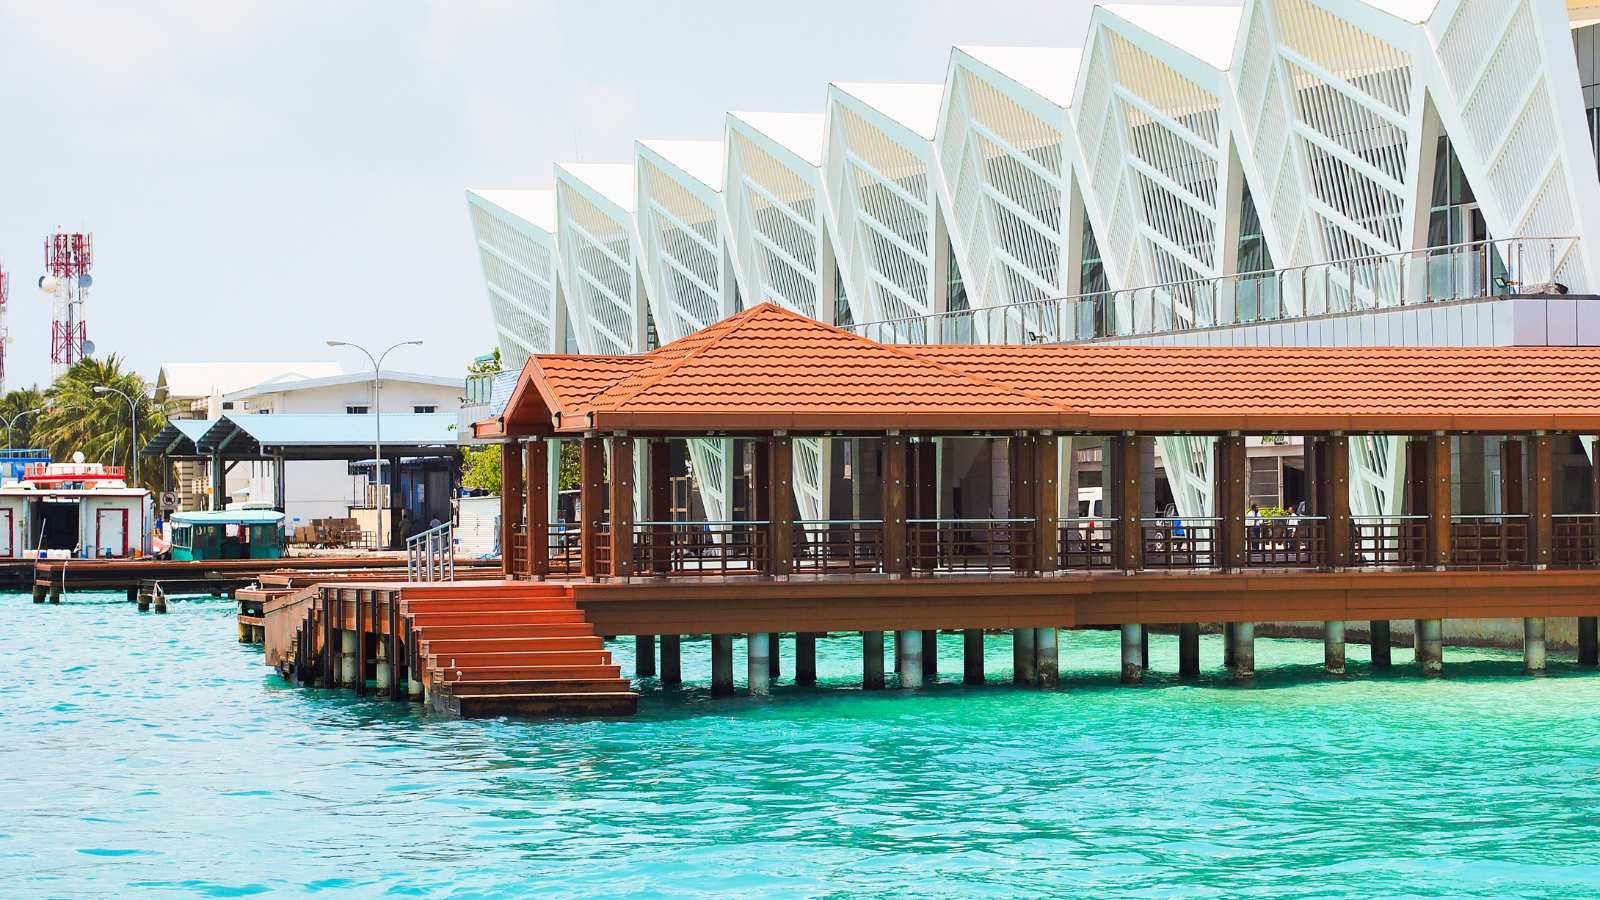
[{"x": 68, "y": 256}]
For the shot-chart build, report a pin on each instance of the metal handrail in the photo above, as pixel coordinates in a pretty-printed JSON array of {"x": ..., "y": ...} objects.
[
  {"x": 1394, "y": 518},
  {"x": 1468, "y": 516},
  {"x": 1381, "y": 281},
  {"x": 698, "y": 522},
  {"x": 431, "y": 554},
  {"x": 968, "y": 521}
]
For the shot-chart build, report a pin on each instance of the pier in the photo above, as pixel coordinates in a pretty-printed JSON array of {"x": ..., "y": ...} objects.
[{"x": 770, "y": 379}]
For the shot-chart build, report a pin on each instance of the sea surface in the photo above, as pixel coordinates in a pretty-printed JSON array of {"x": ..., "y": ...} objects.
[{"x": 146, "y": 755}]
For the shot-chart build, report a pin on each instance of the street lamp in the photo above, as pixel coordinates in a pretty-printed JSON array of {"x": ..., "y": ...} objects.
[
  {"x": 133, "y": 428},
  {"x": 377, "y": 409},
  {"x": 10, "y": 445}
]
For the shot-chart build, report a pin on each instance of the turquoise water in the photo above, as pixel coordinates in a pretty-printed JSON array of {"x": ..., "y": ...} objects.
[{"x": 144, "y": 754}]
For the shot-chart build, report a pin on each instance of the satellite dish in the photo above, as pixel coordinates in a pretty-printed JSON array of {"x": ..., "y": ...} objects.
[
  {"x": 77, "y": 456},
  {"x": 88, "y": 347},
  {"x": 85, "y": 280},
  {"x": 48, "y": 283}
]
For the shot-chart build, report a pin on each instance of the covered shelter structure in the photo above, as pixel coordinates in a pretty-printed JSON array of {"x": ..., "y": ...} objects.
[
  {"x": 422, "y": 448},
  {"x": 1500, "y": 515}
]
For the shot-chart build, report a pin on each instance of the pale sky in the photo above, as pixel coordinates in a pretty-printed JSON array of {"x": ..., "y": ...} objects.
[{"x": 263, "y": 176}]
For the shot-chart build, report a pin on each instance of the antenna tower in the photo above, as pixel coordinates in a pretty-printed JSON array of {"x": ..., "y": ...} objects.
[{"x": 68, "y": 257}]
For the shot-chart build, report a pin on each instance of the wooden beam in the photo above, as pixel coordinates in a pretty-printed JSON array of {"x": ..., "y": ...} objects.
[
  {"x": 1334, "y": 458},
  {"x": 510, "y": 506},
  {"x": 779, "y": 502},
  {"x": 660, "y": 462},
  {"x": 1123, "y": 452},
  {"x": 1513, "y": 495},
  {"x": 894, "y": 505},
  {"x": 1541, "y": 458},
  {"x": 1024, "y": 495},
  {"x": 1437, "y": 456},
  {"x": 1228, "y": 478},
  {"x": 591, "y": 486},
  {"x": 1047, "y": 508},
  {"x": 536, "y": 468},
  {"x": 621, "y": 486}
]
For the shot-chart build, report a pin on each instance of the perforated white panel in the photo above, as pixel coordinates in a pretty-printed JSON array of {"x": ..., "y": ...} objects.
[
  {"x": 519, "y": 273},
  {"x": 595, "y": 238}
]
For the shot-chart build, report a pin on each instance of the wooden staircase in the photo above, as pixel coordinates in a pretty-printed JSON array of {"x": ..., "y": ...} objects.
[{"x": 512, "y": 649}]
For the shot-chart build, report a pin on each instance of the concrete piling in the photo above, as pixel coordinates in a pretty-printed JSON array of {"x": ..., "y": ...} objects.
[
  {"x": 872, "y": 660},
  {"x": 1047, "y": 653},
  {"x": 55, "y": 593},
  {"x": 644, "y": 656},
  {"x": 144, "y": 602},
  {"x": 1189, "y": 650},
  {"x": 1227, "y": 645},
  {"x": 1382, "y": 643},
  {"x": 244, "y": 632},
  {"x": 382, "y": 671},
  {"x": 1333, "y": 647},
  {"x": 758, "y": 646},
  {"x": 1430, "y": 646},
  {"x": 1588, "y": 641},
  {"x": 1024, "y": 662},
  {"x": 160, "y": 601},
  {"x": 671, "y": 659},
  {"x": 1533, "y": 656},
  {"x": 805, "y": 658},
  {"x": 1244, "y": 649},
  {"x": 347, "y": 658},
  {"x": 1132, "y": 654},
  {"x": 1144, "y": 648},
  {"x": 39, "y": 592},
  {"x": 910, "y": 647},
  {"x": 972, "y": 656},
  {"x": 721, "y": 665},
  {"x": 133, "y": 594},
  {"x": 930, "y": 655}
]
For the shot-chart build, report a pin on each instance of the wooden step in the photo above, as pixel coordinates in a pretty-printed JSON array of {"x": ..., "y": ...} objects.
[
  {"x": 509, "y": 645},
  {"x": 458, "y": 589},
  {"x": 535, "y": 673},
  {"x": 541, "y": 686},
  {"x": 502, "y": 617},
  {"x": 453, "y": 661},
  {"x": 431, "y": 632},
  {"x": 616, "y": 703},
  {"x": 488, "y": 604}
]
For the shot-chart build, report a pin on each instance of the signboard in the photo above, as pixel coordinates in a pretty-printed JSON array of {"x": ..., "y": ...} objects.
[{"x": 169, "y": 499}]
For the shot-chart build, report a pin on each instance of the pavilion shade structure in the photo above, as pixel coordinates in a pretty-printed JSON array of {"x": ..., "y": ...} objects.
[{"x": 768, "y": 369}]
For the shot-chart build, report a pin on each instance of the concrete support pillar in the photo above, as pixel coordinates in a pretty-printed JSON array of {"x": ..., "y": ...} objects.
[
  {"x": 805, "y": 658},
  {"x": 1189, "y": 650},
  {"x": 972, "y": 656},
  {"x": 1333, "y": 647},
  {"x": 1533, "y": 645},
  {"x": 930, "y": 654},
  {"x": 644, "y": 657},
  {"x": 757, "y": 647},
  {"x": 909, "y": 643},
  {"x": 1227, "y": 645},
  {"x": 671, "y": 659},
  {"x": 721, "y": 665},
  {"x": 1382, "y": 642},
  {"x": 413, "y": 685},
  {"x": 872, "y": 660},
  {"x": 774, "y": 667},
  {"x": 1244, "y": 649},
  {"x": 1047, "y": 655},
  {"x": 1024, "y": 661},
  {"x": 1132, "y": 654},
  {"x": 1430, "y": 646},
  {"x": 1588, "y": 641},
  {"x": 382, "y": 671},
  {"x": 347, "y": 657},
  {"x": 1144, "y": 649}
]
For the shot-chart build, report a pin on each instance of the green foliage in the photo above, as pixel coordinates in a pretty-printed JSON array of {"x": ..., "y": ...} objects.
[
  {"x": 480, "y": 468},
  {"x": 14, "y": 407},
  {"x": 485, "y": 367},
  {"x": 78, "y": 419},
  {"x": 569, "y": 477}
]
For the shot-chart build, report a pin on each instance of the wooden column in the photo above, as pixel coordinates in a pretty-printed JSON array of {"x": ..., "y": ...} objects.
[
  {"x": 1541, "y": 478},
  {"x": 660, "y": 462},
  {"x": 778, "y": 503},
  {"x": 1229, "y": 478},
  {"x": 894, "y": 505},
  {"x": 1438, "y": 499},
  {"x": 621, "y": 487},
  {"x": 1024, "y": 496},
  {"x": 1335, "y": 472},
  {"x": 536, "y": 465},
  {"x": 510, "y": 505},
  {"x": 1315, "y": 460},
  {"x": 591, "y": 486},
  {"x": 1513, "y": 496},
  {"x": 1123, "y": 451},
  {"x": 1047, "y": 508}
]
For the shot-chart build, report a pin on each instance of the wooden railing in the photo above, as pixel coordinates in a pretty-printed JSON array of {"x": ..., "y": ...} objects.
[
  {"x": 1488, "y": 542},
  {"x": 969, "y": 545},
  {"x": 700, "y": 549},
  {"x": 1388, "y": 540},
  {"x": 1575, "y": 541},
  {"x": 516, "y": 556},
  {"x": 1088, "y": 544},
  {"x": 1173, "y": 543},
  {"x": 838, "y": 546},
  {"x": 566, "y": 548},
  {"x": 1294, "y": 542}
]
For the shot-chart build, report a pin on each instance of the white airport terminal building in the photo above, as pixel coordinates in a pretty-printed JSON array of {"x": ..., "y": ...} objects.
[{"x": 1330, "y": 172}]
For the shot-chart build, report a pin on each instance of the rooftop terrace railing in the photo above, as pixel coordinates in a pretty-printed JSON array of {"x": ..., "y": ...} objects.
[{"x": 1466, "y": 271}]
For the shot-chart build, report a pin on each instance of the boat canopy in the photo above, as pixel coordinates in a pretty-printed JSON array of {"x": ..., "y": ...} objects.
[{"x": 228, "y": 517}]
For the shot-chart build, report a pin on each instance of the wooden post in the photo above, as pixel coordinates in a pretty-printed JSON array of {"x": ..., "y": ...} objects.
[
  {"x": 360, "y": 631},
  {"x": 894, "y": 506},
  {"x": 1123, "y": 450},
  {"x": 536, "y": 458},
  {"x": 1335, "y": 473},
  {"x": 1230, "y": 506},
  {"x": 1047, "y": 506},
  {"x": 1513, "y": 498},
  {"x": 779, "y": 501},
  {"x": 660, "y": 462},
  {"x": 1024, "y": 496},
  {"x": 621, "y": 486},
  {"x": 510, "y": 505},
  {"x": 1438, "y": 500},
  {"x": 391, "y": 605},
  {"x": 1541, "y": 478},
  {"x": 591, "y": 481}
]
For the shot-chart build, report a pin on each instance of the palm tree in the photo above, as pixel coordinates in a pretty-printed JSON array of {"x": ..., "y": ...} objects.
[
  {"x": 76, "y": 419},
  {"x": 12, "y": 406}
]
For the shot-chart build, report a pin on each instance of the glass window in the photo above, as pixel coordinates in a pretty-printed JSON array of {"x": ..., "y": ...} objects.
[
  {"x": 841, "y": 302},
  {"x": 425, "y": 408},
  {"x": 955, "y": 286},
  {"x": 357, "y": 409}
]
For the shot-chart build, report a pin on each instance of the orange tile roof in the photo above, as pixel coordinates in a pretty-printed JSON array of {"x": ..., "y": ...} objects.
[{"x": 769, "y": 369}]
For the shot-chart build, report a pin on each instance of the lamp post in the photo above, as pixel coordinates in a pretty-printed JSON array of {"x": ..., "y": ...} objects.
[
  {"x": 10, "y": 445},
  {"x": 133, "y": 428},
  {"x": 377, "y": 409}
]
